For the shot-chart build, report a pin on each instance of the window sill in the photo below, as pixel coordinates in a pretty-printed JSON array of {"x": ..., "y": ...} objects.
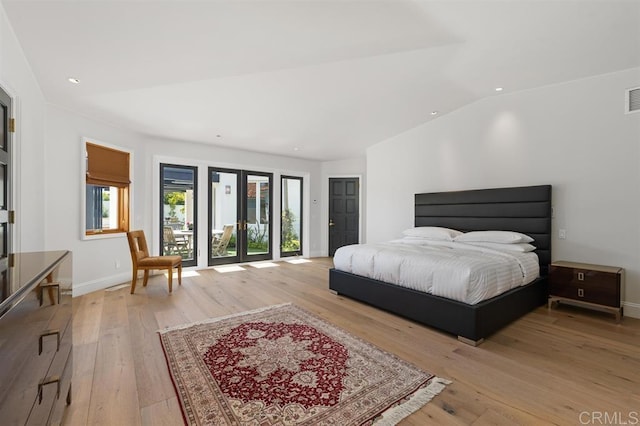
[{"x": 105, "y": 235}]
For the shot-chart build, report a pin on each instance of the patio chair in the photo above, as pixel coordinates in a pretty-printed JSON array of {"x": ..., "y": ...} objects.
[
  {"x": 219, "y": 243},
  {"x": 173, "y": 245},
  {"x": 142, "y": 261}
]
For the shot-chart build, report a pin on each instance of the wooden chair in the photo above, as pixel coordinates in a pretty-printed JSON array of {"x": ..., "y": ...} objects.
[
  {"x": 142, "y": 261},
  {"x": 219, "y": 244},
  {"x": 173, "y": 245}
]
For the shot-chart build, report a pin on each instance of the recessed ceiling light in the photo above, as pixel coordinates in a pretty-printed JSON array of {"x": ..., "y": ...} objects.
[
  {"x": 73, "y": 80},
  {"x": 498, "y": 89},
  {"x": 434, "y": 112}
]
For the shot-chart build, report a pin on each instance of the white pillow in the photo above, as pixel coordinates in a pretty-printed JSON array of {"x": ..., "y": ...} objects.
[
  {"x": 432, "y": 233},
  {"x": 519, "y": 247},
  {"x": 504, "y": 237}
]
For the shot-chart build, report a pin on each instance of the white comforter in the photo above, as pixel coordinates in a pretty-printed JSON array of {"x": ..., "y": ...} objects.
[{"x": 456, "y": 271}]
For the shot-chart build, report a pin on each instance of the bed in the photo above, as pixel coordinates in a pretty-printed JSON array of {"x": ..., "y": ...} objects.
[{"x": 522, "y": 209}]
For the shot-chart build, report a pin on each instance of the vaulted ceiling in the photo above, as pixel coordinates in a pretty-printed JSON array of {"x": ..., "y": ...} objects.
[{"x": 311, "y": 79}]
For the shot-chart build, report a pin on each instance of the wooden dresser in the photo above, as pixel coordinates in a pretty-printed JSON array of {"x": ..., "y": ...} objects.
[
  {"x": 35, "y": 339},
  {"x": 594, "y": 286}
]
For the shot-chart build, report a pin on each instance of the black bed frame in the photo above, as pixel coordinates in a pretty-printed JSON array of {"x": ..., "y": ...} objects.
[{"x": 522, "y": 209}]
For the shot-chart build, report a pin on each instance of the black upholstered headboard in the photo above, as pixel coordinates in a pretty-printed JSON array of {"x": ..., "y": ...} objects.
[{"x": 525, "y": 209}]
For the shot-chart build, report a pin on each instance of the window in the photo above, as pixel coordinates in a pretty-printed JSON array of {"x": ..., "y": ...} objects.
[
  {"x": 107, "y": 190},
  {"x": 291, "y": 216},
  {"x": 178, "y": 212}
]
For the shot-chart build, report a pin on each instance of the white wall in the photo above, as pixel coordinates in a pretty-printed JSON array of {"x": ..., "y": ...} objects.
[
  {"x": 95, "y": 260},
  {"x": 18, "y": 81},
  {"x": 204, "y": 156},
  {"x": 48, "y": 192},
  {"x": 573, "y": 136}
]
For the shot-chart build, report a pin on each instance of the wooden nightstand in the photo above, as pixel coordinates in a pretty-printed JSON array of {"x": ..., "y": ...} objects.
[{"x": 593, "y": 286}]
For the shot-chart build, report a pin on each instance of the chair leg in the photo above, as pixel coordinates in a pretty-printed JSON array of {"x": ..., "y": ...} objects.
[
  {"x": 180, "y": 273},
  {"x": 146, "y": 278},
  {"x": 170, "y": 279},
  {"x": 134, "y": 279}
]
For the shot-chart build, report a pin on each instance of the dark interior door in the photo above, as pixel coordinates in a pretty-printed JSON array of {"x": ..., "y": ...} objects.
[{"x": 344, "y": 212}]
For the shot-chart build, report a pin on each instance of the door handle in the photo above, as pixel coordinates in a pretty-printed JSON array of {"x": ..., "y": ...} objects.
[
  {"x": 46, "y": 333},
  {"x": 331, "y": 222},
  {"x": 47, "y": 381},
  {"x": 50, "y": 286}
]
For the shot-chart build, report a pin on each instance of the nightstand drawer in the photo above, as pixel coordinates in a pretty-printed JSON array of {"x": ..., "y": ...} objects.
[{"x": 587, "y": 285}]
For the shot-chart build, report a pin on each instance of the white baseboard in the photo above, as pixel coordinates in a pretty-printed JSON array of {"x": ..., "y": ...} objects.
[
  {"x": 631, "y": 309},
  {"x": 106, "y": 282},
  {"x": 100, "y": 284},
  {"x": 317, "y": 253}
]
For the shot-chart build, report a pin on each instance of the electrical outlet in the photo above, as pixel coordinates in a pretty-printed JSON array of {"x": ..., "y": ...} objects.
[
  {"x": 562, "y": 234},
  {"x": 117, "y": 264}
]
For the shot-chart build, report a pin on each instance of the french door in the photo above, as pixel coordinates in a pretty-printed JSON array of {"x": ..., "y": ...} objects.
[{"x": 240, "y": 216}]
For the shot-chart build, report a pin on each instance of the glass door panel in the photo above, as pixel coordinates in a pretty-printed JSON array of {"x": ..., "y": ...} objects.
[
  {"x": 257, "y": 216},
  {"x": 224, "y": 209},
  {"x": 178, "y": 208},
  {"x": 291, "y": 216}
]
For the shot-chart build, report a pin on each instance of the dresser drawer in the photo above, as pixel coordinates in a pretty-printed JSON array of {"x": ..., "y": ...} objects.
[
  {"x": 587, "y": 285},
  {"x": 52, "y": 388},
  {"x": 57, "y": 413},
  {"x": 36, "y": 339},
  {"x": 51, "y": 395},
  {"x": 32, "y": 337},
  {"x": 22, "y": 365}
]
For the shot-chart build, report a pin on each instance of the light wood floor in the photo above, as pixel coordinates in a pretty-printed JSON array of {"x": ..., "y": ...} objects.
[{"x": 562, "y": 366}]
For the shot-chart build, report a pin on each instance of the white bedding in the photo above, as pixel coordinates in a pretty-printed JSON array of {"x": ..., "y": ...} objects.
[{"x": 453, "y": 270}]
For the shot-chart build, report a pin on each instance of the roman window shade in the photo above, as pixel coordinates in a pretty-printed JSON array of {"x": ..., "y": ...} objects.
[{"x": 107, "y": 166}]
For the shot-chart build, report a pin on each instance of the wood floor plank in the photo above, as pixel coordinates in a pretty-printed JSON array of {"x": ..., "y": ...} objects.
[
  {"x": 84, "y": 361},
  {"x": 114, "y": 396},
  {"x": 547, "y": 367},
  {"x": 87, "y": 318},
  {"x": 151, "y": 386},
  {"x": 163, "y": 413}
]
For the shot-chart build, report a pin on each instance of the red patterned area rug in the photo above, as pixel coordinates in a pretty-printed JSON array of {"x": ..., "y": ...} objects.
[{"x": 282, "y": 365}]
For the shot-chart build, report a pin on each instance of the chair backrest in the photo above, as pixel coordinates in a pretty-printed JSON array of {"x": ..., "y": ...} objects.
[
  {"x": 168, "y": 236},
  {"x": 227, "y": 230},
  {"x": 137, "y": 245},
  {"x": 220, "y": 244}
]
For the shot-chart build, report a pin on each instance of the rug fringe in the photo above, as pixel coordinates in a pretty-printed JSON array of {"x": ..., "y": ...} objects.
[
  {"x": 216, "y": 319},
  {"x": 416, "y": 401}
]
